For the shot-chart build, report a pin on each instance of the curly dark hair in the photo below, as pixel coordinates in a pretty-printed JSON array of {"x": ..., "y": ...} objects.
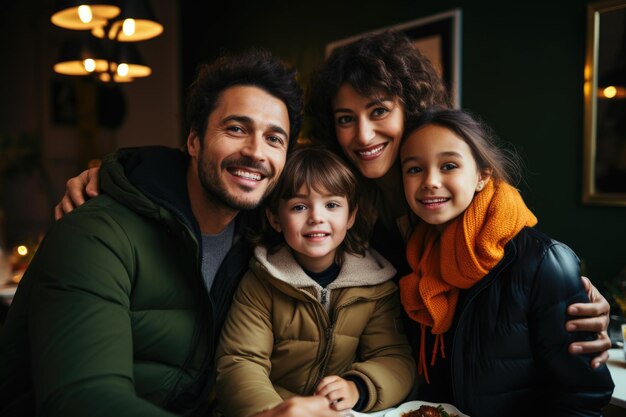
[
  {"x": 324, "y": 171},
  {"x": 383, "y": 62},
  {"x": 255, "y": 67}
]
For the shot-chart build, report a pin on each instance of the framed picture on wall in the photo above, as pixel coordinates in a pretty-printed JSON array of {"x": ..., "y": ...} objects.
[
  {"x": 438, "y": 37},
  {"x": 604, "y": 164}
]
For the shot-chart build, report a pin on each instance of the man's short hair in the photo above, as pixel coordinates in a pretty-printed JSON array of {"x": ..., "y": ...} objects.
[{"x": 256, "y": 67}]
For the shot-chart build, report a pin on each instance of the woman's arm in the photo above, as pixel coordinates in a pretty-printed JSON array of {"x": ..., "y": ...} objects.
[
  {"x": 592, "y": 316},
  {"x": 576, "y": 389},
  {"x": 77, "y": 190}
]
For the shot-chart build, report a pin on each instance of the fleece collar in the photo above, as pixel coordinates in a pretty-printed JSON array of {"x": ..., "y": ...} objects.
[{"x": 356, "y": 271}]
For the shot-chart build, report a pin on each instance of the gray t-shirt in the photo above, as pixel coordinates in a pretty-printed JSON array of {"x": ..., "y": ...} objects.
[{"x": 214, "y": 250}]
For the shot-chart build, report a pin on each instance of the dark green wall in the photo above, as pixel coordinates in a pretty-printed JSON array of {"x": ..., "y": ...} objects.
[{"x": 522, "y": 70}]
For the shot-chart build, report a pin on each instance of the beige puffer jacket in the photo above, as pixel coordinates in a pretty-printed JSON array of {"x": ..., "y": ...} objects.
[{"x": 285, "y": 332}]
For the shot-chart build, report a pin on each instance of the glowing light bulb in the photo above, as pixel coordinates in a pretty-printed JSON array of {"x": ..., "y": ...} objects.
[
  {"x": 85, "y": 14},
  {"x": 22, "y": 250},
  {"x": 609, "y": 92},
  {"x": 129, "y": 27},
  {"x": 122, "y": 70},
  {"x": 89, "y": 64}
]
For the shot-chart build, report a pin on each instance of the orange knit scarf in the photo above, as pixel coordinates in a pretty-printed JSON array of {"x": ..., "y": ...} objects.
[{"x": 468, "y": 248}]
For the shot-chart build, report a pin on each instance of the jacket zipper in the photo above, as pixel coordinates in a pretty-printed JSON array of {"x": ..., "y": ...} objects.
[
  {"x": 505, "y": 263},
  {"x": 328, "y": 334}
]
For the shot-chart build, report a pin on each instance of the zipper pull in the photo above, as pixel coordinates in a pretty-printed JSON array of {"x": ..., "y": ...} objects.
[{"x": 324, "y": 296}]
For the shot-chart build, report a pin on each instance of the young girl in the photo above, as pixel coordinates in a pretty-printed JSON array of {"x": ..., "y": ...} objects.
[
  {"x": 489, "y": 291},
  {"x": 318, "y": 312}
]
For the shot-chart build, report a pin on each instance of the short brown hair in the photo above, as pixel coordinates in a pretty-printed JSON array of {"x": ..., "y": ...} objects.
[{"x": 322, "y": 170}]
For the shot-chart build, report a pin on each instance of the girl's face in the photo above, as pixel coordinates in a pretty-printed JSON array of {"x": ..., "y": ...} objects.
[
  {"x": 439, "y": 173},
  {"x": 368, "y": 129},
  {"x": 314, "y": 225}
]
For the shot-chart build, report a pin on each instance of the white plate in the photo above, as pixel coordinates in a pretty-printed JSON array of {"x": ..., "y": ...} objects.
[
  {"x": 414, "y": 405},
  {"x": 380, "y": 413}
]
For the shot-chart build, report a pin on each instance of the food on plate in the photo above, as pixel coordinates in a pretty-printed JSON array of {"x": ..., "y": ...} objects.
[{"x": 428, "y": 411}]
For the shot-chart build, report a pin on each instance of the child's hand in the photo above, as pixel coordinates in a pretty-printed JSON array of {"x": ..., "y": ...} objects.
[{"x": 342, "y": 394}]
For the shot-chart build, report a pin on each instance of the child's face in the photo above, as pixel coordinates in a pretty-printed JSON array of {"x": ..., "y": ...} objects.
[
  {"x": 439, "y": 173},
  {"x": 313, "y": 225}
]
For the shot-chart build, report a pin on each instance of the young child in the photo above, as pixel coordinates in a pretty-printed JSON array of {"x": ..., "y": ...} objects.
[
  {"x": 318, "y": 313},
  {"x": 491, "y": 290}
]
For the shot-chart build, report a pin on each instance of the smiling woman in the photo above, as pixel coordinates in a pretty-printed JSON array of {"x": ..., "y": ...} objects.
[{"x": 368, "y": 129}]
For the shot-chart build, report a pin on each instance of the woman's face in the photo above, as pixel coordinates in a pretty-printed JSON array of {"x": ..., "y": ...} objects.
[{"x": 368, "y": 129}]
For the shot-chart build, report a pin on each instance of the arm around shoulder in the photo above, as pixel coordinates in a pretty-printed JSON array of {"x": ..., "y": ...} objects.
[{"x": 556, "y": 285}]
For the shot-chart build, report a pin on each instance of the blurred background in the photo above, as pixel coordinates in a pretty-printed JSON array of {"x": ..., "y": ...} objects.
[{"x": 521, "y": 70}]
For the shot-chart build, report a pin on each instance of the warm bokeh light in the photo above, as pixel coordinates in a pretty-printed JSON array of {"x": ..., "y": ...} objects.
[
  {"x": 90, "y": 65},
  {"x": 84, "y": 13},
  {"x": 610, "y": 92},
  {"x": 122, "y": 70},
  {"x": 22, "y": 250},
  {"x": 129, "y": 27}
]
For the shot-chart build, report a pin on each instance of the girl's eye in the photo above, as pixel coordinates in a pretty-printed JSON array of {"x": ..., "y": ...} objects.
[
  {"x": 298, "y": 207},
  {"x": 448, "y": 167},
  {"x": 342, "y": 120},
  {"x": 413, "y": 170},
  {"x": 332, "y": 205}
]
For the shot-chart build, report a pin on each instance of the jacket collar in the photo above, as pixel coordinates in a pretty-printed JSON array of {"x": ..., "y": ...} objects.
[{"x": 356, "y": 271}]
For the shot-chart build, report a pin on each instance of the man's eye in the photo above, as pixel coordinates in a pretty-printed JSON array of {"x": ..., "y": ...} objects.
[
  {"x": 276, "y": 140},
  {"x": 235, "y": 129}
]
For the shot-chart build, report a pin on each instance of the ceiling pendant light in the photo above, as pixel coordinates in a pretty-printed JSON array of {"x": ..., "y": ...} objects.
[
  {"x": 84, "y": 14},
  {"x": 112, "y": 57}
]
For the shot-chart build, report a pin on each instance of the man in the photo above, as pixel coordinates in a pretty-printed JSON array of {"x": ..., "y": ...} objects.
[{"x": 112, "y": 317}]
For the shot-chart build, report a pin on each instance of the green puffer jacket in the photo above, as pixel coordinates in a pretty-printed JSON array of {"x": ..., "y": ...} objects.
[
  {"x": 112, "y": 317},
  {"x": 284, "y": 333}
]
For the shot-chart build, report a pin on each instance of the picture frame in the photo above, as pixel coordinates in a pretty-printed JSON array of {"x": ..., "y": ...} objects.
[
  {"x": 604, "y": 131},
  {"x": 438, "y": 37}
]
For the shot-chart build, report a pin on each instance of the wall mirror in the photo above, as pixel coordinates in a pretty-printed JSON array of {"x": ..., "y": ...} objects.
[{"x": 604, "y": 170}]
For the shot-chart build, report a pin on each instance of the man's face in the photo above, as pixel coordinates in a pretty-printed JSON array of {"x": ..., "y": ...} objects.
[{"x": 244, "y": 148}]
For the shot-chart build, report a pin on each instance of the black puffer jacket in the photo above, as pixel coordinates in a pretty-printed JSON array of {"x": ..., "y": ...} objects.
[{"x": 507, "y": 349}]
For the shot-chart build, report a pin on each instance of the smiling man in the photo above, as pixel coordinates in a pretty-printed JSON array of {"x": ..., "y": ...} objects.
[{"x": 121, "y": 308}]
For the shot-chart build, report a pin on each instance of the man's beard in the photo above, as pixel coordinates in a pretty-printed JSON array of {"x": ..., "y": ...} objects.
[{"x": 216, "y": 191}]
